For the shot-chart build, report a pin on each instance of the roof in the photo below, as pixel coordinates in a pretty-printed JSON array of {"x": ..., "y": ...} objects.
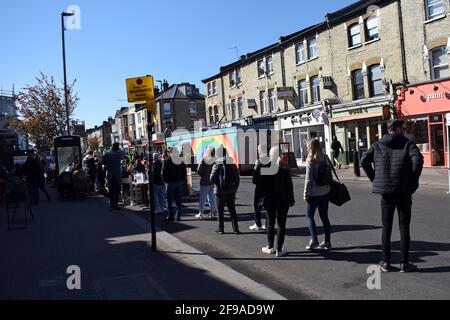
[
  {"x": 284, "y": 41},
  {"x": 177, "y": 91},
  {"x": 354, "y": 9}
]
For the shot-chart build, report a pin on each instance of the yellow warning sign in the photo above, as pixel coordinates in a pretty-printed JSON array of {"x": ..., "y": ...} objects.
[{"x": 140, "y": 89}]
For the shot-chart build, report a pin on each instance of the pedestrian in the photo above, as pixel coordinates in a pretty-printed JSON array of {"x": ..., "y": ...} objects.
[
  {"x": 112, "y": 162},
  {"x": 174, "y": 174},
  {"x": 394, "y": 165},
  {"x": 40, "y": 167},
  {"x": 336, "y": 146},
  {"x": 90, "y": 168},
  {"x": 159, "y": 185},
  {"x": 206, "y": 186},
  {"x": 101, "y": 177},
  {"x": 317, "y": 194},
  {"x": 126, "y": 183},
  {"x": 258, "y": 199},
  {"x": 278, "y": 193},
  {"x": 225, "y": 176},
  {"x": 31, "y": 172},
  {"x": 138, "y": 167}
]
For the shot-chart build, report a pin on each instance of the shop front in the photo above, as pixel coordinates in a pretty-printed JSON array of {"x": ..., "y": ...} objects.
[
  {"x": 424, "y": 107},
  {"x": 299, "y": 126},
  {"x": 358, "y": 125}
]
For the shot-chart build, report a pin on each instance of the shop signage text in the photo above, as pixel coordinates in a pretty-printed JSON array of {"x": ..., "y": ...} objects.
[
  {"x": 438, "y": 95},
  {"x": 359, "y": 111}
]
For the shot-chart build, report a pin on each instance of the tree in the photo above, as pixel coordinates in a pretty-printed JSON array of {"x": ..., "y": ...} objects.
[
  {"x": 93, "y": 144},
  {"x": 43, "y": 112}
]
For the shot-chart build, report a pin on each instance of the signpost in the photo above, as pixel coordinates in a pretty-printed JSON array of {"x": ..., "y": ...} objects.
[
  {"x": 140, "y": 90},
  {"x": 447, "y": 122}
]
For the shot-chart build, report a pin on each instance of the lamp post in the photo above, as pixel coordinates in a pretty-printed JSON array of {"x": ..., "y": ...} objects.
[{"x": 65, "y": 14}]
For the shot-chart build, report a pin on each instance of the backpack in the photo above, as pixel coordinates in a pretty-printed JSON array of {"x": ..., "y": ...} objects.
[
  {"x": 323, "y": 175},
  {"x": 227, "y": 180}
]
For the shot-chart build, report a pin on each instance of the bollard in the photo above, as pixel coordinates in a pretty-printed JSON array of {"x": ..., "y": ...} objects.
[{"x": 356, "y": 164}]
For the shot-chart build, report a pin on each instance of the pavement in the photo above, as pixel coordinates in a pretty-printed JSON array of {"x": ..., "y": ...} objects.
[{"x": 114, "y": 256}]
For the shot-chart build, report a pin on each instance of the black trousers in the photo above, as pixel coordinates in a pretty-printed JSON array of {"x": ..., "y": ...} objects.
[
  {"x": 403, "y": 204},
  {"x": 114, "y": 192},
  {"x": 230, "y": 201},
  {"x": 277, "y": 211}
]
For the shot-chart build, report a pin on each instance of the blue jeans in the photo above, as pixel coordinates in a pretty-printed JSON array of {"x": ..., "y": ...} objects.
[
  {"x": 174, "y": 192},
  {"x": 207, "y": 192},
  {"x": 160, "y": 198},
  {"x": 320, "y": 203},
  {"x": 258, "y": 206}
]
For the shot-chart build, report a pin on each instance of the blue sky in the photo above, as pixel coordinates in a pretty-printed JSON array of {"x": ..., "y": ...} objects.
[{"x": 181, "y": 41}]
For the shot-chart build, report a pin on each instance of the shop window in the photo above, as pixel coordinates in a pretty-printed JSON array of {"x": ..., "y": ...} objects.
[
  {"x": 417, "y": 131},
  {"x": 439, "y": 63},
  {"x": 358, "y": 85}
]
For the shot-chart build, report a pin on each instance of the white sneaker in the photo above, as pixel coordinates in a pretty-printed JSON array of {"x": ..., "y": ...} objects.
[
  {"x": 264, "y": 227},
  {"x": 199, "y": 216},
  {"x": 255, "y": 227},
  {"x": 313, "y": 244},
  {"x": 268, "y": 250},
  {"x": 281, "y": 253}
]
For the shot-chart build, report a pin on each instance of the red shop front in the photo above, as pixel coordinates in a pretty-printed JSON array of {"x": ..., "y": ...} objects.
[{"x": 424, "y": 106}]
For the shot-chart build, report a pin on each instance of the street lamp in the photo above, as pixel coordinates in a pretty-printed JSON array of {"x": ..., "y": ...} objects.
[{"x": 65, "y": 14}]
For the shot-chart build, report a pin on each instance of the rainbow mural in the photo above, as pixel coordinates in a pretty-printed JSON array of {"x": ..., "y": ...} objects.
[
  {"x": 229, "y": 141},
  {"x": 199, "y": 142}
]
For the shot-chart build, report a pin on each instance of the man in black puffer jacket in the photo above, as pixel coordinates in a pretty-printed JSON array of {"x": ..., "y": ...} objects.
[{"x": 394, "y": 165}]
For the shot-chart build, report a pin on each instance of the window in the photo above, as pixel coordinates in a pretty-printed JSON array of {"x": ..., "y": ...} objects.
[
  {"x": 354, "y": 35},
  {"x": 358, "y": 85},
  {"x": 193, "y": 107},
  {"x": 269, "y": 65},
  {"x": 238, "y": 77},
  {"x": 211, "y": 115},
  {"x": 264, "y": 104},
  {"x": 315, "y": 89},
  {"x": 233, "y": 109},
  {"x": 168, "y": 124},
  {"x": 140, "y": 133},
  {"x": 188, "y": 90},
  {"x": 240, "y": 107},
  {"x": 302, "y": 93},
  {"x": 272, "y": 101},
  {"x": 232, "y": 79},
  {"x": 214, "y": 88},
  {"x": 139, "y": 117},
  {"x": 439, "y": 63},
  {"x": 300, "y": 53},
  {"x": 167, "y": 109},
  {"x": 312, "y": 48},
  {"x": 216, "y": 114},
  {"x": 434, "y": 8},
  {"x": 209, "y": 89},
  {"x": 261, "y": 68},
  {"x": 375, "y": 81},
  {"x": 372, "y": 28}
]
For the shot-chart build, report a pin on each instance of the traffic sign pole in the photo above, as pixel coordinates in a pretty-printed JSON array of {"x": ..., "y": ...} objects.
[
  {"x": 151, "y": 179},
  {"x": 447, "y": 118}
]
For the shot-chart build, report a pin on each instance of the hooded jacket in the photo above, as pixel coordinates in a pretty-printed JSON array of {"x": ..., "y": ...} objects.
[
  {"x": 217, "y": 171},
  {"x": 394, "y": 165}
]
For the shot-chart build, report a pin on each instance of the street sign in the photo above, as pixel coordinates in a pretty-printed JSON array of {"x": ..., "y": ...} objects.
[{"x": 140, "y": 89}]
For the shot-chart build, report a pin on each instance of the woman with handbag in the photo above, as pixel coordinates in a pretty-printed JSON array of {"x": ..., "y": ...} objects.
[{"x": 317, "y": 193}]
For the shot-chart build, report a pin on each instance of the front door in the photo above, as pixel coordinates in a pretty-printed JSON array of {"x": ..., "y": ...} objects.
[
  {"x": 303, "y": 146},
  {"x": 437, "y": 145}
]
